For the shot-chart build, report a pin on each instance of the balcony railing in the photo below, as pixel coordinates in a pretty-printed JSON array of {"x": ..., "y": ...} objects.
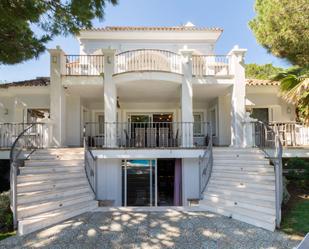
[
  {"x": 37, "y": 135},
  {"x": 291, "y": 133},
  {"x": 147, "y": 135},
  {"x": 142, "y": 60},
  {"x": 147, "y": 60},
  {"x": 86, "y": 65},
  {"x": 210, "y": 65}
]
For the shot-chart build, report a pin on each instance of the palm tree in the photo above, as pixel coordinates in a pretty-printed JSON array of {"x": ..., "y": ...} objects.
[{"x": 294, "y": 86}]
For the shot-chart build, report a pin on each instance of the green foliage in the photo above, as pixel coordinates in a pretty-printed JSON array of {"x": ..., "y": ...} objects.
[
  {"x": 6, "y": 217},
  {"x": 51, "y": 17},
  {"x": 297, "y": 220},
  {"x": 295, "y": 89},
  {"x": 263, "y": 72},
  {"x": 282, "y": 27}
]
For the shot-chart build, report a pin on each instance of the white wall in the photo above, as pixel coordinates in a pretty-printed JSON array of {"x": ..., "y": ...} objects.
[
  {"x": 190, "y": 179},
  {"x": 110, "y": 180},
  {"x": 267, "y": 97}
]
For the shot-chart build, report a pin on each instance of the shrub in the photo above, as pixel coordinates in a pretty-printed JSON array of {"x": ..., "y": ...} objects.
[{"x": 6, "y": 217}]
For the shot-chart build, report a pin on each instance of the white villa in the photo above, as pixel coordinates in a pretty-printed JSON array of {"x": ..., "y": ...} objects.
[{"x": 146, "y": 116}]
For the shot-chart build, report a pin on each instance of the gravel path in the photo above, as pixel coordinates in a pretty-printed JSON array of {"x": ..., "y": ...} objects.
[{"x": 151, "y": 230}]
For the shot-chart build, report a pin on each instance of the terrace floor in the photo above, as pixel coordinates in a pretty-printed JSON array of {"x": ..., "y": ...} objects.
[{"x": 170, "y": 229}]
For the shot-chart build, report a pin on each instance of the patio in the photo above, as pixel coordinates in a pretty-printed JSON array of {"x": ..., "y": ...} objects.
[{"x": 171, "y": 229}]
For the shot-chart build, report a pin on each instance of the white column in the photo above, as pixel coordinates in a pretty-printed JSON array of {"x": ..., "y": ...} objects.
[
  {"x": 238, "y": 96},
  {"x": 186, "y": 98},
  {"x": 110, "y": 98},
  {"x": 249, "y": 135},
  {"x": 57, "y": 97}
]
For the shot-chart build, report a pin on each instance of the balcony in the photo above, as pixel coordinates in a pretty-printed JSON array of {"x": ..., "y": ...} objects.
[
  {"x": 141, "y": 135},
  {"x": 147, "y": 60}
]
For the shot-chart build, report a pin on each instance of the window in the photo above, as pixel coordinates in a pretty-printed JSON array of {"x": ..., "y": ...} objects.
[
  {"x": 198, "y": 121},
  {"x": 101, "y": 123}
]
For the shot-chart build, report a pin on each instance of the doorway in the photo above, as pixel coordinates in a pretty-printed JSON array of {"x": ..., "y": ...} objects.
[
  {"x": 166, "y": 179},
  {"x": 261, "y": 114}
]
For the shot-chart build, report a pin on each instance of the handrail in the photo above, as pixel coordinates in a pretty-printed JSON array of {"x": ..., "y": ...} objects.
[
  {"x": 269, "y": 142},
  {"x": 147, "y": 49},
  {"x": 206, "y": 165},
  {"x": 90, "y": 166},
  {"x": 22, "y": 142}
]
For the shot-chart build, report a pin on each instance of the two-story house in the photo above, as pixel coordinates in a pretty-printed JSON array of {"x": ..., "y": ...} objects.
[{"x": 147, "y": 104}]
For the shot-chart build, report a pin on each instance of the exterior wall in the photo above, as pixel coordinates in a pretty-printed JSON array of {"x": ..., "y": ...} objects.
[
  {"x": 267, "y": 97},
  {"x": 73, "y": 121},
  {"x": 190, "y": 179},
  {"x": 95, "y": 46},
  {"x": 110, "y": 180}
]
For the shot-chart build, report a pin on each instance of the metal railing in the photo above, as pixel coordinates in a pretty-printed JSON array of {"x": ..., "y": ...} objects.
[
  {"x": 210, "y": 65},
  {"x": 30, "y": 139},
  {"x": 291, "y": 133},
  {"x": 147, "y": 135},
  {"x": 84, "y": 65},
  {"x": 206, "y": 165},
  {"x": 90, "y": 167},
  {"x": 268, "y": 141},
  {"x": 147, "y": 60}
]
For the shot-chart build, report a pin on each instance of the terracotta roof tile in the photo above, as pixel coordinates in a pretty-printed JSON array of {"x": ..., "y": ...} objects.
[
  {"x": 258, "y": 82},
  {"x": 39, "y": 81},
  {"x": 145, "y": 28}
]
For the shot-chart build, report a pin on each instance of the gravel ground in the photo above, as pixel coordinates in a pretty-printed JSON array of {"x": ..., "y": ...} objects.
[{"x": 173, "y": 229}]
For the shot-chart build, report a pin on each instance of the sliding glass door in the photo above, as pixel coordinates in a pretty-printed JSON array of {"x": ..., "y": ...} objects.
[{"x": 139, "y": 183}]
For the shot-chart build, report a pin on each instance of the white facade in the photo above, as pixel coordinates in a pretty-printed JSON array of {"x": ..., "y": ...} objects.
[{"x": 145, "y": 72}]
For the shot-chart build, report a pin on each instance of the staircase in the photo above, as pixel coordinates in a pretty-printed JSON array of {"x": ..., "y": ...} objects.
[
  {"x": 242, "y": 186},
  {"x": 52, "y": 187}
]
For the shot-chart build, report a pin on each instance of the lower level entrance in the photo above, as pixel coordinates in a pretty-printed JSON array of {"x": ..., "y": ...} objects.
[{"x": 151, "y": 182}]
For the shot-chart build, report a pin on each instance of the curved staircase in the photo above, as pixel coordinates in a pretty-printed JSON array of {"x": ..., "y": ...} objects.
[
  {"x": 52, "y": 187},
  {"x": 242, "y": 186}
]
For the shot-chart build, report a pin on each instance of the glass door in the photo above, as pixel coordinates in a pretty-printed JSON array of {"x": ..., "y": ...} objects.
[{"x": 139, "y": 183}]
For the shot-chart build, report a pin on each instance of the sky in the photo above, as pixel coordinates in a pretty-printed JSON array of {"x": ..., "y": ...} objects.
[{"x": 231, "y": 15}]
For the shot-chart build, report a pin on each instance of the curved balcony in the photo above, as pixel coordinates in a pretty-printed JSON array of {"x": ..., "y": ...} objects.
[{"x": 147, "y": 60}]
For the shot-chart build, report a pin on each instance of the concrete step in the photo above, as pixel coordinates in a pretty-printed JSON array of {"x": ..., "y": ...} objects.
[
  {"x": 268, "y": 196},
  {"x": 240, "y": 170},
  {"x": 50, "y": 169},
  {"x": 43, "y": 195},
  {"x": 243, "y": 183},
  {"x": 243, "y": 162},
  {"x": 239, "y": 156},
  {"x": 237, "y": 150},
  {"x": 38, "y": 207},
  {"x": 50, "y": 184},
  {"x": 242, "y": 214},
  {"x": 43, "y": 220},
  {"x": 49, "y": 176},
  {"x": 243, "y": 202},
  {"x": 244, "y": 176},
  {"x": 246, "y": 186},
  {"x": 70, "y": 162}
]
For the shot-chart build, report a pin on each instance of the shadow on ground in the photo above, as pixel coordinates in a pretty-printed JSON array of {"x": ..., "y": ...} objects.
[{"x": 152, "y": 230}]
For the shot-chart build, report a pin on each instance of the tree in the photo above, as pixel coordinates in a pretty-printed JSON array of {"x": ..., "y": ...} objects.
[
  {"x": 53, "y": 17},
  {"x": 294, "y": 86},
  {"x": 282, "y": 27},
  {"x": 263, "y": 72}
]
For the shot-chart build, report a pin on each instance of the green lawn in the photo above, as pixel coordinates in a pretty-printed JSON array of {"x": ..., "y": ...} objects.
[
  {"x": 6, "y": 235},
  {"x": 296, "y": 221}
]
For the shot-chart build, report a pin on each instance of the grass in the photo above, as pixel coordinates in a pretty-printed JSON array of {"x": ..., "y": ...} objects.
[{"x": 6, "y": 235}]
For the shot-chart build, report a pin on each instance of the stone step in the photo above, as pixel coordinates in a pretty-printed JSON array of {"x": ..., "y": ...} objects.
[
  {"x": 268, "y": 196},
  {"x": 244, "y": 176},
  {"x": 239, "y": 156},
  {"x": 238, "y": 186},
  {"x": 50, "y": 185},
  {"x": 43, "y": 220},
  {"x": 265, "y": 184},
  {"x": 242, "y": 162},
  {"x": 246, "y": 170},
  {"x": 43, "y": 195},
  {"x": 38, "y": 207},
  {"x": 237, "y": 150},
  {"x": 243, "y": 202},
  {"x": 242, "y": 214},
  {"x": 49, "y": 176},
  {"x": 50, "y": 169},
  {"x": 69, "y": 162}
]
